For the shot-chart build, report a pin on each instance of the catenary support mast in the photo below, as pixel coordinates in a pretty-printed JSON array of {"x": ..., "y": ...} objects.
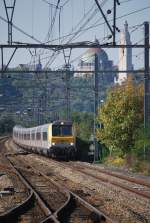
[
  {"x": 95, "y": 106},
  {"x": 9, "y": 8}
]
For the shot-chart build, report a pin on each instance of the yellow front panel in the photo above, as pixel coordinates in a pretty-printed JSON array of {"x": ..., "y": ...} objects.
[
  {"x": 57, "y": 139},
  {"x": 50, "y": 133}
]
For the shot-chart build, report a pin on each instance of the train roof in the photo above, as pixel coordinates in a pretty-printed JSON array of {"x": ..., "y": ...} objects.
[
  {"x": 35, "y": 127},
  {"x": 45, "y": 126}
]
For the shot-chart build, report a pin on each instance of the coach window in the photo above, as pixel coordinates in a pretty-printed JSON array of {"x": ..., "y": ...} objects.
[
  {"x": 33, "y": 136},
  {"x": 44, "y": 136},
  {"x": 28, "y": 136},
  {"x": 38, "y": 135}
]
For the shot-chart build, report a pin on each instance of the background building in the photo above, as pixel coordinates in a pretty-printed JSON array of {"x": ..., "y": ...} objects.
[
  {"x": 125, "y": 56},
  {"x": 87, "y": 63}
]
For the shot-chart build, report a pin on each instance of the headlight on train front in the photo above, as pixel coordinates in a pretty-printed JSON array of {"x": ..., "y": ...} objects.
[
  {"x": 71, "y": 143},
  {"x": 53, "y": 143}
]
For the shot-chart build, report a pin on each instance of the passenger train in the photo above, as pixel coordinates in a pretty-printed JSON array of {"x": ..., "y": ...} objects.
[{"x": 56, "y": 139}]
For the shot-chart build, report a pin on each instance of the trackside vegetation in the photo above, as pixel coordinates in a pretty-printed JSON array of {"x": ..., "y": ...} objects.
[{"x": 123, "y": 133}]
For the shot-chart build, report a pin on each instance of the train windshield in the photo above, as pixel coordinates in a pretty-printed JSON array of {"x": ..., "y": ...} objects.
[{"x": 59, "y": 130}]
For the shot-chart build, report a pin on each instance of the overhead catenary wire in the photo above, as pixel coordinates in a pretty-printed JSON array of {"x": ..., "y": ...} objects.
[
  {"x": 127, "y": 14},
  {"x": 57, "y": 53},
  {"x": 90, "y": 27},
  {"x": 131, "y": 13},
  {"x": 84, "y": 24},
  {"x": 21, "y": 31}
]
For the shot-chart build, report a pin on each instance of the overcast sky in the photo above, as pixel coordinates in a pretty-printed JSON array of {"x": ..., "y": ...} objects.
[{"x": 35, "y": 17}]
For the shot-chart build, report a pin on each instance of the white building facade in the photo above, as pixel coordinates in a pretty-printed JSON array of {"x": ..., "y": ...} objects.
[{"x": 125, "y": 56}]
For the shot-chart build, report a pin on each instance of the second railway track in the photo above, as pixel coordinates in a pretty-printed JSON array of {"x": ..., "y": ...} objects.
[{"x": 134, "y": 185}]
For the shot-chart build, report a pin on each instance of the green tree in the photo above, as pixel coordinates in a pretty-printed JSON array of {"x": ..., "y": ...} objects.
[
  {"x": 121, "y": 115},
  {"x": 142, "y": 140},
  {"x": 6, "y": 125},
  {"x": 83, "y": 122}
]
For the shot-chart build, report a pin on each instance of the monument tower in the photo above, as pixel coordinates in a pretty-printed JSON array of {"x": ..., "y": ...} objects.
[{"x": 125, "y": 55}]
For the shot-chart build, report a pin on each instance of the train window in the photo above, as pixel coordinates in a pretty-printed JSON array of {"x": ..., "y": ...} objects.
[
  {"x": 33, "y": 136},
  {"x": 56, "y": 130},
  {"x": 44, "y": 136},
  {"x": 66, "y": 130},
  {"x": 38, "y": 135},
  {"x": 28, "y": 136},
  {"x": 25, "y": 136}
]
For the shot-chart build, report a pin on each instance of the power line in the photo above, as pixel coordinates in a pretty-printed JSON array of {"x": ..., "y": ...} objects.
[
  {"x": 93, "y": 26},
  {"x": 52, "y": 58},
  {"x": 22, "y": 31}
]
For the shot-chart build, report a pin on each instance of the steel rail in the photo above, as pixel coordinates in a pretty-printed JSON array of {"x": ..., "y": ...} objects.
[
  {"x": 72, "y": 200},
  {"x": 12, "y": 214},
  {"x": 41, "y": 203},
  {"x": 118, "y": 175},
  {"x": 72, "y": 196},
  {"x": 125, "y": 187}
]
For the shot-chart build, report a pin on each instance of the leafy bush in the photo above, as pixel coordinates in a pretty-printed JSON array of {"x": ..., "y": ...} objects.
[
  {"x": 142, "y": 143},
  {"x": 117, "y": 161},
  {"x": 142, "y": 167}
]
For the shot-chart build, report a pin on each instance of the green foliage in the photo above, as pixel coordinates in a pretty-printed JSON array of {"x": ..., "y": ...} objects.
[
  {"x": 121, "y": 115},
  {"x": 6, "y": 125},
  {"x": 84, "y": 124},
  {"x": 82, "y": 149},
  {"x": 142, "y": 140},
  {"x": 142, "y": 167}
]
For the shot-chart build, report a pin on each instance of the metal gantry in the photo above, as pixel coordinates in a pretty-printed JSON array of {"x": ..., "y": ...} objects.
[
  {"x": 146, "y": 76},
  {"x": 146, "y": 82},
  {"x": 96, "y": 81},
  {"x": 9, "y": 9}
]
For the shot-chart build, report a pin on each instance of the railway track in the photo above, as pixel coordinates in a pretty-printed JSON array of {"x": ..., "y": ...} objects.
[
  {"x": 23, "y": 205},
  {"x": 61, "y": 205},
  {"x": 118, "y": 175},
  {"x": 134, "y": 185},
  {"x": 115, "y": 203}
]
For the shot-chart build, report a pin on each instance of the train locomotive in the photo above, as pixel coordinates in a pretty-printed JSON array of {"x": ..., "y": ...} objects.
[{"x": 56, "y": 139}]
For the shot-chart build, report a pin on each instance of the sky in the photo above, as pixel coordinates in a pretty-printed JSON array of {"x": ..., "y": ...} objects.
[{"x": 35, "y": 17}]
